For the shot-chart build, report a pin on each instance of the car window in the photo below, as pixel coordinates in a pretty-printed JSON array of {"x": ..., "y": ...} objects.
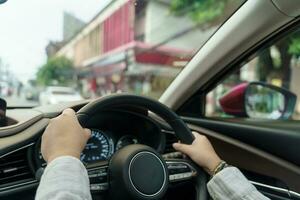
[{"x": 265, "y": 87}]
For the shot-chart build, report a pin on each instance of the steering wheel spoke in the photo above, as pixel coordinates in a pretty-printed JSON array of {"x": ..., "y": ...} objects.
[
  {"x": 98, "y": 175},
  {"x": 180, "y": 170}
]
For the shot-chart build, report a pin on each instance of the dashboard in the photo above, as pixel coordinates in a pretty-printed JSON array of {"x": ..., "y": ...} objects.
[
  {"x": 110, "y": 132},
  {"x": 100, "y": 147}
]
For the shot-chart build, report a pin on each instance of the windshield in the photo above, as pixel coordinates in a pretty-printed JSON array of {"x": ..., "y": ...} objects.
[{"x": 98, "y": 47}]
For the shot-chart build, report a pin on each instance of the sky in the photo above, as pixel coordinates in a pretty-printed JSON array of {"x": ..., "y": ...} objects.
[{"x": 26, "y": 27}]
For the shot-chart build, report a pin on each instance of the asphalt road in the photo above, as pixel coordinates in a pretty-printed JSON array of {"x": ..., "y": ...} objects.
[{"x": 20, "y": 101}]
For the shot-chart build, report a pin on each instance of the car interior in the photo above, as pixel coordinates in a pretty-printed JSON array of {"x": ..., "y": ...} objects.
[{"x": 264, "y": 149}]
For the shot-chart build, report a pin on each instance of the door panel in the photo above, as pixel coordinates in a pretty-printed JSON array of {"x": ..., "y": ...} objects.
[
  {"x": 286, "y": 175},
  {"x": 279, "y": 139}
]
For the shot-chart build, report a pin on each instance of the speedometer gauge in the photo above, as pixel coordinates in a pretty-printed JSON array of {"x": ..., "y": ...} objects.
[{"x": 99, "y": 147}]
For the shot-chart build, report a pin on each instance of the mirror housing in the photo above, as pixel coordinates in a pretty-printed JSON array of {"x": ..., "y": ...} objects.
[{"x": 259, "y": 100}]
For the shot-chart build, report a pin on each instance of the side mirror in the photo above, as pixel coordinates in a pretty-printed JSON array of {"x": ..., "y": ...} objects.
[
  {"x": 259, "y": 100},
  {"x": 2, "y": 1}
]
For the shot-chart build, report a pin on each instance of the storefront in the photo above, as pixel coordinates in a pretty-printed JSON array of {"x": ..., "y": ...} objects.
[{"x": 138, "y": 68}]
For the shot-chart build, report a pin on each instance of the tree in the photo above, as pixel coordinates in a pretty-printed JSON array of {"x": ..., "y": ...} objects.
[
  {"x": 57, "y": 70},
  {"x": 209, "y": 13},
  {"x": 280, "y": 66},
  {"x": 205, "y": 13}
]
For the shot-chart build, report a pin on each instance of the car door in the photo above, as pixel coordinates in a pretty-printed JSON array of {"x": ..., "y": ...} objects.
[{"x": 263, "y": 144}]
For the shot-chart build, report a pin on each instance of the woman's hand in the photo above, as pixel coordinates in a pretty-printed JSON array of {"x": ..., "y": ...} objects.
[
  {"x": 64, "y": 136},
  {"x": 201, "y": 152}
]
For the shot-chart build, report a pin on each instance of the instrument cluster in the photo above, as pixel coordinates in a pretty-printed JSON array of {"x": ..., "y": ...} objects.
[{"x": 101, "y": 146}]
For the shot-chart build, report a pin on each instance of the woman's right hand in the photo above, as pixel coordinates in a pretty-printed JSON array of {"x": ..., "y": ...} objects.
[{"x": 201, "y": 152}]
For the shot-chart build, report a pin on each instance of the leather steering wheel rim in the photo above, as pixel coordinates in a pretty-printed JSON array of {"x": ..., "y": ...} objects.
[{"x": 181, "y": 130}]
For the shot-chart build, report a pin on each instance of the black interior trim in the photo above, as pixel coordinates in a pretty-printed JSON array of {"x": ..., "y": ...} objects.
[
  {"x": 262, "y": 163},
  {"x": 25, "y": 137},
  {"x": 272, "y": 192},
  {"x": 18, "y": 189},
  {"x": 283, "y": 143}
]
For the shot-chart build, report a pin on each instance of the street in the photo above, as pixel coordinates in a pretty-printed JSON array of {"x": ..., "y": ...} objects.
[{"x": 20, "y": 101}]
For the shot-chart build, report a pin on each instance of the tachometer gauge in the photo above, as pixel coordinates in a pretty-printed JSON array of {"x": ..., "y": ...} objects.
[
  {"x": 99, "y": 147},
  {"x": 126, "y": 140}
]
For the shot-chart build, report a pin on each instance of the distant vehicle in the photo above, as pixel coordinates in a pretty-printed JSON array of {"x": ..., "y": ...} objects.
[
  {"x": 32, "y": 93},
  {"x": 56, "y": 94}
]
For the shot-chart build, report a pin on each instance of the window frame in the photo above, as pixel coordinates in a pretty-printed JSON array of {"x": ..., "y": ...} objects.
[{"x": 191, "y": 107}]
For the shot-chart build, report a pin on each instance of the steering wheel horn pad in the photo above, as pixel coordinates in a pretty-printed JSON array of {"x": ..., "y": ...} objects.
[{"x": 138, "y": 172}]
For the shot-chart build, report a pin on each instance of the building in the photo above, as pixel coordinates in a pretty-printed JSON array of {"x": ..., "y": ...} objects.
[
  {"x": 71, "y": 26},
  {"x": 53, "y": 47},
  {"x": 135, "y": 46}
]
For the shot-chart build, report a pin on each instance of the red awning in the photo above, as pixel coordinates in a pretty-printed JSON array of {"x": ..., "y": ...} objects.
[{"x": 158, "y": 58}]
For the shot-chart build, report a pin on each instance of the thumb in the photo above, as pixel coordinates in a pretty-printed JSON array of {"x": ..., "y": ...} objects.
[{"x": 184, "y": 148}]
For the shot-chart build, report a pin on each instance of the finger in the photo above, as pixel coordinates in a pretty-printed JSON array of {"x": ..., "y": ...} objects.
[
  {"x": 87, "y": 132},
  {"x": 196, "y": 134},
  {"x": 182, "y": 148},
  {"x": 69, "y": 112}
]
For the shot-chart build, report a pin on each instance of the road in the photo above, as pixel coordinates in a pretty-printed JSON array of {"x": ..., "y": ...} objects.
[{"x": 20, "y": 101}]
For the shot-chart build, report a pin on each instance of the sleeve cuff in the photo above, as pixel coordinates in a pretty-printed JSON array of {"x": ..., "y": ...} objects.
[
  {"x": 231, "y": 184},
  {"x": 65, "y": 176},
  {"x": 64, "y": 160}
]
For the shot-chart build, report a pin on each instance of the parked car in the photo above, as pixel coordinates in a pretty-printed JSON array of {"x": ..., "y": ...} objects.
[{"x": 56, "y": 95}]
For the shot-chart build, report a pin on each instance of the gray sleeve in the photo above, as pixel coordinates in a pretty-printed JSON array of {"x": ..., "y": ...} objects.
[
  {"x": 64, "y": 178},
  {"x": 231, "y": 184}
]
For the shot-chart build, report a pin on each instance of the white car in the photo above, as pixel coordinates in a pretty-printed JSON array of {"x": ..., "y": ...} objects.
[{"x": 55, "y": 95}]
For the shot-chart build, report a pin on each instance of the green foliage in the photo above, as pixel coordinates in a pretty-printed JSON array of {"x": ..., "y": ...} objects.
[
  {"x": 294, "y": 47},
  {"x": 201, "y": 11},
  {"x": 57, "y": 70}
]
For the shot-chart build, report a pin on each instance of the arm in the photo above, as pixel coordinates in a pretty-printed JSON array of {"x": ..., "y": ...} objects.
[
  {"x": 228, "y": 184},
  {"x": 231, "y": 184},
  {"x": 65, "y": 177}
]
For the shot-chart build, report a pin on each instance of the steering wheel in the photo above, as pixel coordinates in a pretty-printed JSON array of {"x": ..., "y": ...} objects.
[{"x": 138, "y": 171}]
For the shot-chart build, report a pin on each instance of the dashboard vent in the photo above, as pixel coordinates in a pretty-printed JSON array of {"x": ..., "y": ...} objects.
[
  {"x": 14, "y": 169},
  {"x": 170, "y": 139}
]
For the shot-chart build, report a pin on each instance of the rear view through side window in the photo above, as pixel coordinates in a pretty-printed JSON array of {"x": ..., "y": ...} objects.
[{"x": 266, "y": 87}]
